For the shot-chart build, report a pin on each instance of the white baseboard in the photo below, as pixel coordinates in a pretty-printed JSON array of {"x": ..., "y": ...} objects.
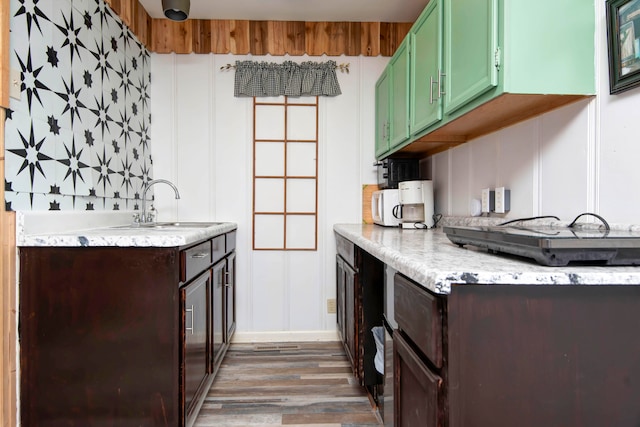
[{"x": 284, "y": 336}]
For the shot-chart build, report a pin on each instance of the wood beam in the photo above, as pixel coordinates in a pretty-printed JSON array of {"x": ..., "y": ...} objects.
[{"x": 4, "y": 53}]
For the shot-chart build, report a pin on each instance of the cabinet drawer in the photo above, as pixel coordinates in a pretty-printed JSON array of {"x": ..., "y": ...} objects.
[
  {"x": 217, "y": 248},
  {"x": 194, "y": 260},
  {"x": 419, "y": 314},
  {"x": 345, "y": 249},
  {"x": 230, "y": 238}
]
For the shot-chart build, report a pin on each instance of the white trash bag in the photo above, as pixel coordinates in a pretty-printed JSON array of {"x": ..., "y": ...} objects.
[{"x": 378, "y": 336}]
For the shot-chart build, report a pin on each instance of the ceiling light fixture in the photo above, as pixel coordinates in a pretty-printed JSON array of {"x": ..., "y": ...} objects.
[{"x": 176, "y": 10}]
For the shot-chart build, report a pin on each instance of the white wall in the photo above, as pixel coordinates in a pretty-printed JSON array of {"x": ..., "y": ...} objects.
[
  {"x": 581, "y": 158},
  {"x": 202, "y": 141}
]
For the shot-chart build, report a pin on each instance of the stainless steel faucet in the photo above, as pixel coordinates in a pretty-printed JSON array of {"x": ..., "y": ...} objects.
[{"x": 145, "y": 218}]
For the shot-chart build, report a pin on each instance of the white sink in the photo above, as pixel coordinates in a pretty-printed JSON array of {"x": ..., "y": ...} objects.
[{"x": 168, "y": 225}]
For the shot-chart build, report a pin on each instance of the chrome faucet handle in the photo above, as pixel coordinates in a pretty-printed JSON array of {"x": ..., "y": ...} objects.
[
  {"x": 151, "y": 215},
  {"x": 136, "y": 218}
]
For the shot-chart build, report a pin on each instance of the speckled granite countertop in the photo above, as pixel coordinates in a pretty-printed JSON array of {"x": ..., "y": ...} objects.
[
  {"x": 105, "y": 229},
  {"x": 429, "y": 258}
]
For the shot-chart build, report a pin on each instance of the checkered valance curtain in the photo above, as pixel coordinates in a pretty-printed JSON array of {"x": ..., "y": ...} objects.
[{"x": 291, "y": 79}]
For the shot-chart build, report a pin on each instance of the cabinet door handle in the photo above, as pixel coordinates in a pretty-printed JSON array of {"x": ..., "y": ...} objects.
[
  {"x": 440, "y": 76},
  {"x": 384, "y": 131},
  {"x": 227, "y": 281},
  {"x": 192, "y": 311},
  {"x": 199, "y": 255},
  {"x": 431, "y": 90}
]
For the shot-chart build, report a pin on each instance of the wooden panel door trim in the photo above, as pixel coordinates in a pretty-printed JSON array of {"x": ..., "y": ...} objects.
[
  {"x": 7, "y": 295},
  {"x": 7, "y": 319}
]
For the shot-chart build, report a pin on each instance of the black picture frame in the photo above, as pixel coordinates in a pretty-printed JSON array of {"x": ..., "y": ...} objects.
[{"x": 623, "y": 36}]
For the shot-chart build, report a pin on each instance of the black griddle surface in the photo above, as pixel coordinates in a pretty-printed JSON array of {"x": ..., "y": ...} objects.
[{"x": 553, "y": 246}]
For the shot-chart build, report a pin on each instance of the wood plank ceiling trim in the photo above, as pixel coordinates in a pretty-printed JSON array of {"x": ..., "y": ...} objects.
[
  {"x": 242, "y": 37},
  {"x": 135, "y": 16}
]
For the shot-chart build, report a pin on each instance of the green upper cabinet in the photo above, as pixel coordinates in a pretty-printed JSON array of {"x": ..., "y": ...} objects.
[
  {"x": 560, "y": 59},
  {"x": 426, "y": 68},
  {"x": 476, "y": 66},
  {"x": 399, "y": 66},
  {"x": 382, "y": 114},
  {"x": 471, "y": 46},
  {"x": 504, "y": 47}
]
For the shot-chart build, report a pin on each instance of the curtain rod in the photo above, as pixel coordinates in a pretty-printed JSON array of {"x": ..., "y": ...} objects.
[{"x": 344, "y": 68}]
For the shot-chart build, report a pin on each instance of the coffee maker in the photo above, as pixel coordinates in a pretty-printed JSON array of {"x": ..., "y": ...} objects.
[{"x": 416, "y": 204}]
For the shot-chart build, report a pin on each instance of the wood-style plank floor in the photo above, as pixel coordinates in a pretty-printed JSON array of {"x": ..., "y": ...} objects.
[{"x": 287, "y": 384}]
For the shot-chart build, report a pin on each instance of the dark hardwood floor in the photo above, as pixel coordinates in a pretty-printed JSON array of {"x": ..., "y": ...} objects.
[{"x": 287, "y": 384}]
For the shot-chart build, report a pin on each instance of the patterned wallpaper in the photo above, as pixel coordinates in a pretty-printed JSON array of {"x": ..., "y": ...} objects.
[{"x": 78, "y": 137}]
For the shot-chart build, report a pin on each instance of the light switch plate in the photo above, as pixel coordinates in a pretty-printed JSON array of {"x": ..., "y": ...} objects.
[{"x": 14, "y": 84}]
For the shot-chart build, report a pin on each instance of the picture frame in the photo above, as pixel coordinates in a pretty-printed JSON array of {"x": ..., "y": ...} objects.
[{"x": 623, "y": 40}]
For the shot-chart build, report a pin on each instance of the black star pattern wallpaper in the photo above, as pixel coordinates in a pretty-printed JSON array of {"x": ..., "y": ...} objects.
[{"x": 77, "y": 139}]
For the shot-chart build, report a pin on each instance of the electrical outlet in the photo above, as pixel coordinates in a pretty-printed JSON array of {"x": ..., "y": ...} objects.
[
  {"x": 487, "y": 201},
  {"x": 503, "y": 200},
  {"x": 331, "y": 305},
  {"x": 484, "y": 200}
]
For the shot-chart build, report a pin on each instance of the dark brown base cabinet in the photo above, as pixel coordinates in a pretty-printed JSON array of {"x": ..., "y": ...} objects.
[
  {"x": 359, "y": 280},
  {"x": 526, "y": 356},
  {"x": 122, "y": 336}
]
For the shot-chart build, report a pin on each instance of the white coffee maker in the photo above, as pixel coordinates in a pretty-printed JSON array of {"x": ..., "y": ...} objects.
[{"x": 416, "y": 204}]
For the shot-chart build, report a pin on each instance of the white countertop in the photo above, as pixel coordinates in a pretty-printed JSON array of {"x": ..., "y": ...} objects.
[
  {"x": 104, "y": 229},
  {"x": 429, "y": 258}
]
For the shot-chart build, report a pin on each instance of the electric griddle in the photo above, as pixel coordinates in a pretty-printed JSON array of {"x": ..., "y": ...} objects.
[{"x": 553, "y": 246}]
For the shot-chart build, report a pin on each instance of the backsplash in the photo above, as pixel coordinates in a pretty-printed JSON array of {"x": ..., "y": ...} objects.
[{"x": 78, "y": 137}]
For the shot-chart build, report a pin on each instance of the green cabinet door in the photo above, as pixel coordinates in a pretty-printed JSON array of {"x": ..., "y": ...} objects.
[
  {"x": 471, "y": 41},
  {"x": 426, "y": 68},
  {"x": 382, "y": 114},
  {"x": 399, "y": 65}
]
